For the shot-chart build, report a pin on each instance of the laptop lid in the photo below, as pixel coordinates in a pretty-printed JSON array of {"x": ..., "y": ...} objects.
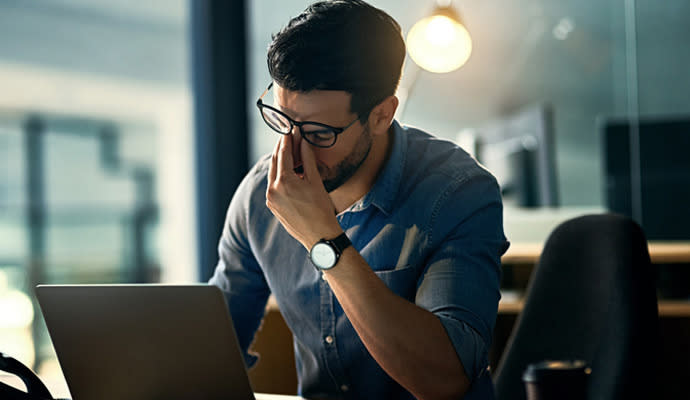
[{"x": 144, "y": 342}]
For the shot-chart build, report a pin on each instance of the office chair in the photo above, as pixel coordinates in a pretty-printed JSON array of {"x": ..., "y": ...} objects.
[{"x": 591, "y": 297}]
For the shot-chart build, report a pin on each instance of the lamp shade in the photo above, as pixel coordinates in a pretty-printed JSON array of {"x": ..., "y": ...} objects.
[{"x": 440, "y": 43}]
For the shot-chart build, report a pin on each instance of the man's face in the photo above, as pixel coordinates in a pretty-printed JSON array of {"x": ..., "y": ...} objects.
[{"x": 338, "y": 163}]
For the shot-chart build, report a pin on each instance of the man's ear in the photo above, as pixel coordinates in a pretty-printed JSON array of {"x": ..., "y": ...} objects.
[{"x": 381, "y": 116}]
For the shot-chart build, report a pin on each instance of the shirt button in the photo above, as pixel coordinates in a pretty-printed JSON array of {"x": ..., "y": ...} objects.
[
  {"x": 323, "y": 276},
  {"x": 329, "y": 339},
  {"x": 344, "y": 388},
  {"x": 483, "y": 371}
]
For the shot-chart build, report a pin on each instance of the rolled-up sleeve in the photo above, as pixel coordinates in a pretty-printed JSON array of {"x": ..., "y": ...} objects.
[
  {"x": 461, "y": 283},
  {"x": 238, "y": 273}
]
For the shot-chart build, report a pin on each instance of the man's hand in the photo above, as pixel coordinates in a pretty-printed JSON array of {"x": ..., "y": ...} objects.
[{"x": 300, "y": 203}]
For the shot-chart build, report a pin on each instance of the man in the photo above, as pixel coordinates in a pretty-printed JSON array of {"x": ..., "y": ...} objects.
[{"x": 380, "y": 243}]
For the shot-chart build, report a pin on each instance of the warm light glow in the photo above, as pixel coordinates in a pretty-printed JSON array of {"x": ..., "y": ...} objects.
[
  {"x": 16, "y": 310},
  {"x": 16, "y": 316},
  {"x": 439, "y": 44}
]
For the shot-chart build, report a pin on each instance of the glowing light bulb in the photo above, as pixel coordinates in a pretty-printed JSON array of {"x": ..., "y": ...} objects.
[
  {"x": 439, "y": 44},
  {"x": 440, "y": 32}
]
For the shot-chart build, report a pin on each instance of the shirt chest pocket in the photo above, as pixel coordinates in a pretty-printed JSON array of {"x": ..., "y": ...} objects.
[{"x": 401, "y": 281}]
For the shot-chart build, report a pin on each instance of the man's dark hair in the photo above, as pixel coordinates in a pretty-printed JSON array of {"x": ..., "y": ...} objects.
[{"x": 343, "y": 45}]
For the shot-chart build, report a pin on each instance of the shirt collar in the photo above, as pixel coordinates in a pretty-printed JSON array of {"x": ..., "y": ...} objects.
[{"x": 383, "y": 193}]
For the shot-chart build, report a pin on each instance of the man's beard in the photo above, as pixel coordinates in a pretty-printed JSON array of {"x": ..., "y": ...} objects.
[{"x": 346, "y": 168}]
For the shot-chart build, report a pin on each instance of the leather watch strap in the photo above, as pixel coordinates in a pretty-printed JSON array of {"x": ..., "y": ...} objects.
[{"x": 342, "y": 242}]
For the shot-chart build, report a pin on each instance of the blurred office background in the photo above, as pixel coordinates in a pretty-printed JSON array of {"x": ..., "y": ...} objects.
[{"x": 117, "y": 156}]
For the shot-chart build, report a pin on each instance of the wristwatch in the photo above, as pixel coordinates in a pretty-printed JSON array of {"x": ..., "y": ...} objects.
[{"x": 326, "y": 253}]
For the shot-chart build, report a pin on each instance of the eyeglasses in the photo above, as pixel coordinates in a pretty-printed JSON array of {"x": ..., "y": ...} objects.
[{"x": 316, "y": 133}]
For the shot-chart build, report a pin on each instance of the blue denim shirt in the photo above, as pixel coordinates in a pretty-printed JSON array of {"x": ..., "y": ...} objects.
[{"x": 431, "y": 228}]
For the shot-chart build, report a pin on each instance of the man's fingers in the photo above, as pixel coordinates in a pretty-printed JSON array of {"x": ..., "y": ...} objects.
[
  {"x": 273, "y": 168},
  {"x": 285, "y": 163},
  {"x": 311, "y": 171}
]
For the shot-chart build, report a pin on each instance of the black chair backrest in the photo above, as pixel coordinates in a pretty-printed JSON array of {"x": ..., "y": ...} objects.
[{"x": 591, "y": 297}]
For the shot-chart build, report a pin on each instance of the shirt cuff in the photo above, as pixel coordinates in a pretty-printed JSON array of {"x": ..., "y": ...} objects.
[
  {"x": 469, "y": 346},
  {"x": 250, "y": 359}
]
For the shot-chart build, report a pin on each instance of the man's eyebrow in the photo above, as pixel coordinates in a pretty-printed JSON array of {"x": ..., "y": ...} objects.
[{"x": 294, "y": 115}]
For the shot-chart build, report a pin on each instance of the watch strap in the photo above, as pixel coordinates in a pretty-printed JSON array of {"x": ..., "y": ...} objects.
[{"x": 341, "y": 243}]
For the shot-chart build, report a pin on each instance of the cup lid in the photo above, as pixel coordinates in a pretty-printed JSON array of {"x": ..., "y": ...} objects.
[{"x": 555, "y": 369}]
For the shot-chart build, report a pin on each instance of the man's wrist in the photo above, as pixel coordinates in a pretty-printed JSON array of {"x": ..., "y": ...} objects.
[
  {"x": 328, "y": 234},
  {"x": 326, "y": 253}
]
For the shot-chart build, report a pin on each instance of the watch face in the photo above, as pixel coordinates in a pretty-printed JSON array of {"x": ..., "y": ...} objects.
[{"x": 323, "y": 256}]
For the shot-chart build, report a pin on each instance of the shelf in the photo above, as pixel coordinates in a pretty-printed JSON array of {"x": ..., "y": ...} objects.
[
  {"x": 667, "y": 308},
  {"x": 669, "y": 252},
  {"x": 511, "y": 305},
  {"x": 674, "y": 308},
  {"x": 660, "y": 252}
]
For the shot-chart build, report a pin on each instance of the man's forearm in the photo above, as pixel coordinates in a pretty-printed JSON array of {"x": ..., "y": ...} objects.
[{"x": 407, "y": 341}]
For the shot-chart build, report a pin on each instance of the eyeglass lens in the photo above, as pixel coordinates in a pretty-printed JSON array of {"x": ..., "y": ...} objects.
[
  {"x": 315, "y": 134},
  {"x": 276, "y": 121}
]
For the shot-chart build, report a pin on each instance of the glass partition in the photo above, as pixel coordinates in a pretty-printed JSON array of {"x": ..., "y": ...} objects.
[
  {"x": 96, "y": 156},
  {"x": 584, "y": 61}
]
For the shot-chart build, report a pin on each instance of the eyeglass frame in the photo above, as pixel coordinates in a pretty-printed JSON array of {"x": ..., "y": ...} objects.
[{"x": 336, "y": 130}]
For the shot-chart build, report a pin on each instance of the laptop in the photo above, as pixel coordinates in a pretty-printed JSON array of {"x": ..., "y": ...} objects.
[{"x": 145, "y": 342}]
